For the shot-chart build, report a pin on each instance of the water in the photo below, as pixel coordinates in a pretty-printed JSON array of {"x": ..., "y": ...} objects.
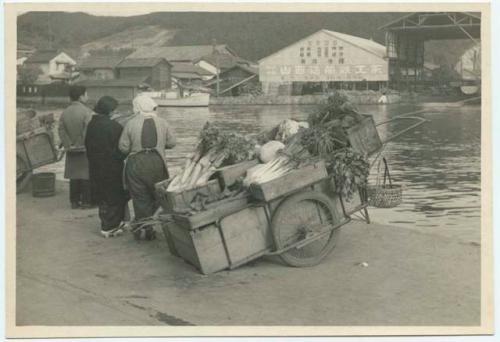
[{"x": 438, "y": 163}]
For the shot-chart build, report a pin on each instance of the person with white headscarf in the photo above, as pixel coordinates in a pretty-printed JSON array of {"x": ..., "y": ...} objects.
[{"x": 144, "y": 139}]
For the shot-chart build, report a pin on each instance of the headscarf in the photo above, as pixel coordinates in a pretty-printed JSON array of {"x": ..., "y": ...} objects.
[
  {"x": 106, "y": 105},
  {"x": 144, "y": 105}
]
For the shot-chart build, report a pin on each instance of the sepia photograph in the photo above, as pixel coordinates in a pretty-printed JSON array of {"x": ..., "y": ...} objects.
[{"x": 248, "y": 169}]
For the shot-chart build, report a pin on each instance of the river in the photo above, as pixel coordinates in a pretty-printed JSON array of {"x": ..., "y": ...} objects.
[{"x": 439, "y": 163}]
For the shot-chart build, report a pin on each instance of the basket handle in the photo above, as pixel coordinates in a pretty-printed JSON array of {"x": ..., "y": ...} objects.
[{"x": 386, "y": 173}]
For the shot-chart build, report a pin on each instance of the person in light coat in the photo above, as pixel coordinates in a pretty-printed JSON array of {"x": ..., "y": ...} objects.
[
  {"x": 144, "y": 139},
  {"x": 72, "y": 129}
]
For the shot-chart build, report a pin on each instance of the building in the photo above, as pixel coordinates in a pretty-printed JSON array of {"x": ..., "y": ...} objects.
[
  {"x": 235, "y": 81},
  {"x": 99, "y": 67},
  {"x": 156, "y": 71},
  {"x": 185, "y": 54},
  {"x": 190, "y": 71},
  {"x": 323, "y": 60},
  {"x": 124, "y": 90},
  {"x": 220, "y": 62},
  {"x": 51, "y": 63}
]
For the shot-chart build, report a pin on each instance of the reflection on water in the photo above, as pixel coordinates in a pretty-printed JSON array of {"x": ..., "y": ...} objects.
[{"x": 438, "y": 163}]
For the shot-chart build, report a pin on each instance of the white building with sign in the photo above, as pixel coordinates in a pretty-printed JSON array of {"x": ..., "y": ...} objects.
[{"x": 325, "y": 60}]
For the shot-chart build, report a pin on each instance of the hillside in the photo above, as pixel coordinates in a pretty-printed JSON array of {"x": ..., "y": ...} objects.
[
  {"x": 252, "y": 35},
  {"x": 133, "y": 38}
]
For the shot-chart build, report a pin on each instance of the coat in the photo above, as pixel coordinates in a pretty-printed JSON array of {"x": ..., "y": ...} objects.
[
  {"x": 105, "y": 160},
  {"x": 131, "y": 138},
  {"x": 72, "y": 128}
]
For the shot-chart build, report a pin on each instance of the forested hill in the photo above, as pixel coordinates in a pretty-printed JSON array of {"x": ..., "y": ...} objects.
[{"x": 251, "y": 35}]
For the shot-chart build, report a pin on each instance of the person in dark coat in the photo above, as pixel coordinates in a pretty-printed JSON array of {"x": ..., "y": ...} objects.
[
  {"x": 72, "y": 126},
  {"x": 106, "y": 167},
  {"x": 144, "y": 139}
]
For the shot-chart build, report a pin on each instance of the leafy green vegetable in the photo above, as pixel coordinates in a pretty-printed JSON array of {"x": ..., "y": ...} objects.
[{"x": 349, "y": 169}]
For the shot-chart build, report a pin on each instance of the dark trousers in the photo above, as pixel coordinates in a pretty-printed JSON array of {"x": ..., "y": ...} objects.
[
  {"x": 112, "y": 215},
  {"x": 79, "y": 191},
  {"x": 143, "y": 171}
]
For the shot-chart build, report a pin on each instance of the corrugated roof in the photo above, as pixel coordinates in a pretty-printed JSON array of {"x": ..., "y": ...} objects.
[
  {"x": 42, "y": 56},
  {"x": 140, "y": 62},
  {"x": 189, "y": 68},
  {"x": 245, "y": 67},
  {"x": 122, "y": 82},
  {"x": 362, "y": 43},
  {"x": 179, "y": 53},
  {"x": 190, "y": 75},
  {"x": 99, "y": 62}
]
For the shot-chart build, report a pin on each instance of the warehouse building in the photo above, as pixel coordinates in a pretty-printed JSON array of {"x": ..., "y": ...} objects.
[{"x": 324, "y": 61}]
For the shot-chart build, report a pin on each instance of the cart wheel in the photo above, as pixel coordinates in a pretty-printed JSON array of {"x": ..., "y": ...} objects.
[
  {"x": 294, "y": 218},
  {"x": 22, "y": 177}
]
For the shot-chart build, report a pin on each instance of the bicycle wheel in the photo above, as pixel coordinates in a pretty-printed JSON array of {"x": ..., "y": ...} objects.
[{"x": 299, "y": 217}]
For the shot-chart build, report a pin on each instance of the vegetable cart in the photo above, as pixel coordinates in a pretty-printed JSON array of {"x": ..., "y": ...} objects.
[
  {"x": 296, "y": 216},
  {"x": 34, "y": 146}
]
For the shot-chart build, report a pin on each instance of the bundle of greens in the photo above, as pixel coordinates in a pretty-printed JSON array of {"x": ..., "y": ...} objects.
[
  {"x": 349, "y": 169},
  {"x": 214, "y": 149}
]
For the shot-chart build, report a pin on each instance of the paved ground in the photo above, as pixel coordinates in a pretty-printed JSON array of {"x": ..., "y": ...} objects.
[{"x": 67, "y": 274}]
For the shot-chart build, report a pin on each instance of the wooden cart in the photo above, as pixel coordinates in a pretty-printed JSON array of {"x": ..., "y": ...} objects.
[{"x": 34, "y": 146}]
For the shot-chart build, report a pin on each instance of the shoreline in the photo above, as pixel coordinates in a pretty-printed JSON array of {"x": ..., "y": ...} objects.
[{"x": 62, "y": 261}]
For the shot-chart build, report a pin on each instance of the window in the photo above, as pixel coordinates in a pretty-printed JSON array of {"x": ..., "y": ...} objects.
[
  {"x": 341, "y": 54},
  {"x": 330, "y": 61},
  {"x": 334, "y": 42},
  {"x": 303, "y": 61},
  {"x": 341, "y": 61},
  {"x": 327, "y": 42},
  {"x": 35, "y": 90},
  {"x": 301, "y": 54},
  {"x": 334, "y": 54},
  {"x": 301, "y": 48},
  {"x": 315, "y": 61},
  {"x": 334, "y": 48},
  {"x": 341, "y": 48},
  {"x": 319, "y": 52},
  {"x": 326, "y": 52},
  {"x": 308, "y": 54}
]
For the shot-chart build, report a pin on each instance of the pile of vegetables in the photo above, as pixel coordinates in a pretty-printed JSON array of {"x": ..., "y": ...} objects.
[
  {"x": 325, "y": 138},
  {"x": 214, "y": 149}
]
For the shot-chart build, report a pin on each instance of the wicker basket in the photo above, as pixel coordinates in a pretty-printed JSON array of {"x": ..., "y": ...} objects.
[{"x": 385, "y": 195}]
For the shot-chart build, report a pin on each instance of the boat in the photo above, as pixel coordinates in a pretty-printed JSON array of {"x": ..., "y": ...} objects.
[
  {"x": 469, "y": 89},
  {"x": 174, "y": 99}
]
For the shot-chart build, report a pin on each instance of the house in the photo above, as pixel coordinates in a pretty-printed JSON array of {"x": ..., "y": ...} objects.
[
  {"x": 124, "y": 90},
  {"x": 156, "y": 70},
  {"x": 99, "y": 67},
  {"x": 185, "y": 54},
  {"x": 188, "y": 72},
  {"x": 323, "y": 60},
  {"x": 235, "y": 80},
  {"x": 50, "y": 63}
]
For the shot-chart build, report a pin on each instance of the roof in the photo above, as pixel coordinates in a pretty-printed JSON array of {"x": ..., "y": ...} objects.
[
  {"x": 42, "y": 56},
  {"x": 437, "y": 25},
  {"x": 225, "y": 61},
  {"x": 99, "y": 62},
  {"x": 178, "y": 67},
  {"x": 140, "y": 62},
  {"x": 189, "y": 75},
  {"x": 180, "y": 53},
  {"x": 245, "y": 67},
  {"x": 368, "y": 45},
  {"x": 122, "y": 82}
]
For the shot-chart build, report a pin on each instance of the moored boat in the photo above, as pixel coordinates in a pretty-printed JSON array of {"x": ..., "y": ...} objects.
[{"x": 172, "y": 99}]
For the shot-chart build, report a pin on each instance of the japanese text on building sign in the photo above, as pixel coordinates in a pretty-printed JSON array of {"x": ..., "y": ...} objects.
[{"x": 324, "y": 72}]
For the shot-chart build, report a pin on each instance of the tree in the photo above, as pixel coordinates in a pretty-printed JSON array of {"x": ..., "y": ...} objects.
[{"x": 29, "y": 74}]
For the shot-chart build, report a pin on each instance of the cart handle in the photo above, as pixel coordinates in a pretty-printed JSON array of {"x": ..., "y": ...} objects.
[{"x": 419, "y": 122}]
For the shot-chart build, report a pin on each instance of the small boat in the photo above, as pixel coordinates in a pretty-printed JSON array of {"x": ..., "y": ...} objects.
[
  {"x": 173, "y": 99},
  {"x": 469, "y": 89}
]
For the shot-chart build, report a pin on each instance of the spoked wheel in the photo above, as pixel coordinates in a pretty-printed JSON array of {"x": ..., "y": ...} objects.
[
  {"x": 23, "y": 176},
  {"x": 303, "y": 217}
]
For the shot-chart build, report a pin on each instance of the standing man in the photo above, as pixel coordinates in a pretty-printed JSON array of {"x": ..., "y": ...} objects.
[
  {"x": 72, "y": 128},
  {"x": 144, "y": 140}
]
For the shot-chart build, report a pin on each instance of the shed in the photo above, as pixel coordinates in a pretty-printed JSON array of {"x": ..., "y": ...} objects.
[
  {"x": 234, "y": 81},
  {"x": 124, "y": 90},
  {"x": 157, "y": 69},
  {"x": 99, "y": 67}
]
